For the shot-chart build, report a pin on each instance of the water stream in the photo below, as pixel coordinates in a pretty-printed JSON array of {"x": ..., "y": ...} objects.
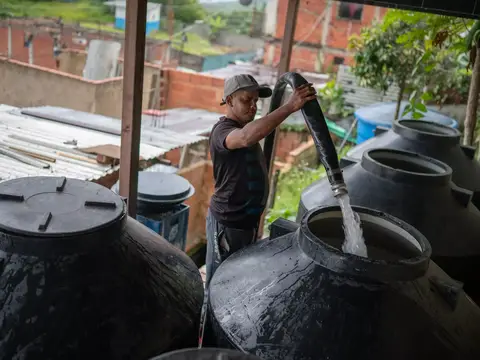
[{"x": 354, "y": 242}]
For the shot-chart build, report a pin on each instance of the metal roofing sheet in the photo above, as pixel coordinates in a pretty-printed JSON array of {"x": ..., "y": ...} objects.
[
  {"x": 163, "y": 138},
  {"x": 181, "y": 120},
  {"x": 59, "y": 141}
]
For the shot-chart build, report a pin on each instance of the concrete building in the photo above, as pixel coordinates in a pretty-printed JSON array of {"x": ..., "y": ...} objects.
[{"x": 153, "y": 15}]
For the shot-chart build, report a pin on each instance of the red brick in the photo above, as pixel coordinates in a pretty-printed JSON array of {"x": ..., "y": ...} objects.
[
  {"x": 309, "y": 31},
  {"x": 216, "y": 82}
]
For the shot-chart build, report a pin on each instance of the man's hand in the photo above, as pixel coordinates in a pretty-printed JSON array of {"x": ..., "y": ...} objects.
[{"x": 301, "y": 95}]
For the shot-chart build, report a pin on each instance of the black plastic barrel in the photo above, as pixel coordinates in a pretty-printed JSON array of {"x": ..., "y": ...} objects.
[
  {"x": 160, "y": 205},
  {"x": 430, "y": 139},
  {"x": 299, "y": 297},
  {"x": 206, "y": 354},
  {"x": 79, "y": 279},
  {"x": 417, "y": 190}
]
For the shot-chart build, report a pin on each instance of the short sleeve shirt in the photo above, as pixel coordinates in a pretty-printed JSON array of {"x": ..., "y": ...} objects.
[{"x": 241, "y": 180}]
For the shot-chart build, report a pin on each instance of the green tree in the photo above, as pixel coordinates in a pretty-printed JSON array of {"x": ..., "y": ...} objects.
[
  {"x": 446, "y": 32},
  {"x": 216, "y": 23},
  {"x": 186, "y": 11},
  {"x": 380, "y": 62},
  {"x": 239, "y": 22}
]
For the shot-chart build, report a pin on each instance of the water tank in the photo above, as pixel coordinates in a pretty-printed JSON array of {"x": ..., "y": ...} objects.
[
  {"x": 429, "y": 139},
  {"x": 418, "y": 190},
  {"x": 382, "y": 114},
  {"x": 160, "y": 205},
  {"x": 206, "y": 354},
  {"x": 299, "y": 297},
  {"x": 80, "y": 279}
]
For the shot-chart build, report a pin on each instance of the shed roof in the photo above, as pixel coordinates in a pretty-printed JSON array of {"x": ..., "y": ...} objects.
[
  {"x": 181, "y": 120},
  {"x": 31, "y": 146}
]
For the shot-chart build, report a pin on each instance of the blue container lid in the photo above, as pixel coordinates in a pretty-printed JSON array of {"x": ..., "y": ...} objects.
[{"x": 382, "y": 114}]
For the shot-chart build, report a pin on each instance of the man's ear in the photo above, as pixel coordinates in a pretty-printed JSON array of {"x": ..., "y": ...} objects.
[{"x": 228, "y": 100}]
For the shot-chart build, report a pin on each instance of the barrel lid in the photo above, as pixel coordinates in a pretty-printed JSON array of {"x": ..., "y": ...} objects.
[
  {"x": 56, "y": 206},
  {"x": 161, "y": 188}
]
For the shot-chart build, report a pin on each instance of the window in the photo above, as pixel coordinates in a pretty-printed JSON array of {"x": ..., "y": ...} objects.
[
  {"x": 337, "y": 60},
  {"x": 350, "y": 11}
]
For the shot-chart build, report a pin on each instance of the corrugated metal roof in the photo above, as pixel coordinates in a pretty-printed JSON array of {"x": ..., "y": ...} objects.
[
  {"x": 50, "y": 139},
  {"x": 181, "y": 120}
]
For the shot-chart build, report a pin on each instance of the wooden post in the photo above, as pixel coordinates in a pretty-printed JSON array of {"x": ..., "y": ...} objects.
[
  {"x": 9, "y": 40},
  {"x": 132, "y": 100},
  {"x": 283, "y": 67}
]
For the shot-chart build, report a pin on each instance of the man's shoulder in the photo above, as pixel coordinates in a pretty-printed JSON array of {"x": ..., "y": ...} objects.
[
  {"x": 224, "y": 122},
  {"x": 222, "y": 128}
]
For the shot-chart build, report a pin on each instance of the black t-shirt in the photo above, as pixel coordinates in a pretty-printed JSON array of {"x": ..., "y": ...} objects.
[{"x": 241, "y": 180}]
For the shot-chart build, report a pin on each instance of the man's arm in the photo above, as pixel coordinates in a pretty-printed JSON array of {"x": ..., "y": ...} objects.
[{"x": 255, "y": 131}]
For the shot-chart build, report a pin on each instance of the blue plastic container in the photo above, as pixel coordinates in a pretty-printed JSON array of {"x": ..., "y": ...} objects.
[
  {"x": 160, "y": 205},
  {"x": 382, "y": 114},
  {"x": 171, "y": 225}
]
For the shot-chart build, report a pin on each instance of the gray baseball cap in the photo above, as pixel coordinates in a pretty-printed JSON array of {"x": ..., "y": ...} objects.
[{"x": 244, "y": 82}]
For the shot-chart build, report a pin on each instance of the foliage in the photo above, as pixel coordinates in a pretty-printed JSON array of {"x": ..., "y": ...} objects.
[
  {"x": 239, "y": 22},
  {"x": 195, "y": 45},
  {"x": 406, "y": 49},
  {"x": 69, "y": 12},
  {"x": 431, "y": 29},
  {"x": 379, "y": 61},
  {"x": 332, "y": 100},
  {"x": 455, "y": 35},
  {"x": 186, "y": 11},
  {"x": 443, "y": 42},
  {"x": 216, "y": 23},
  {"x": 289, "y": 189}
]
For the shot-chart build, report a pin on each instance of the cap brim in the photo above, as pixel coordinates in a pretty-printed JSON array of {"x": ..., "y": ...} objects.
[{"x": 263, "y": 92}]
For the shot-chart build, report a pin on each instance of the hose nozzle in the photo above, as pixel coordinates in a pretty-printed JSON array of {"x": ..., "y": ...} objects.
[{"x": 339, "y": 189}]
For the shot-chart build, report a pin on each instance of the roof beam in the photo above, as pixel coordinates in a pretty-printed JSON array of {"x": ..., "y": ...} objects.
[
  {"x": 134, "y": 58},
  {"x": 465, "y": 8}
]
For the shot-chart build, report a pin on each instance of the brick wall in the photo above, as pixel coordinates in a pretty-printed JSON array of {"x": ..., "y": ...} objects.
[
  {"x": 42, "y": 48},
  {"x": 321, "y": 40},
  {"x": 193, "y": 91},
  {"x": 200, "y": 175},
  {"x": 288, "y": 141},
  {"x": 43, "y": 43}
]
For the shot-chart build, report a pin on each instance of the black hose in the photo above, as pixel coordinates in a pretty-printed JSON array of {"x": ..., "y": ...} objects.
[{"x": 316, "y": 124}]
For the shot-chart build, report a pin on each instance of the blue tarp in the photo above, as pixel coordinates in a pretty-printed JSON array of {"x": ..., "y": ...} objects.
[{"x": 382, "y": 114}]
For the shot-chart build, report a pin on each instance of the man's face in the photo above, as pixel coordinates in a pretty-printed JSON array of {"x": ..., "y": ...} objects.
[{"x": 243, "y": 105}]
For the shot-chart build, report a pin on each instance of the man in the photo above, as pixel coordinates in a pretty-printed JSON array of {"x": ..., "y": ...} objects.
[{"x": 239, "y": 167}]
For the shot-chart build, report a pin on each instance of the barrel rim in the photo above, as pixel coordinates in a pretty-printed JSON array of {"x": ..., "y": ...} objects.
[
  {"x": 432, "y": 132},
  {"x": 337, "y": 261},
  {"x": 436, "y": 172}
]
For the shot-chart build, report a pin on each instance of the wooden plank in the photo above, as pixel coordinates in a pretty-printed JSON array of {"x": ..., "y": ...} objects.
[{"x": 136, "y": 14}]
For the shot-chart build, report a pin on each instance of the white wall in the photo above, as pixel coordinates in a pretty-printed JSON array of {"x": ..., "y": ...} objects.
[
  {"x": 359, "y": 96},
  {"x": 270, "y": 24}
]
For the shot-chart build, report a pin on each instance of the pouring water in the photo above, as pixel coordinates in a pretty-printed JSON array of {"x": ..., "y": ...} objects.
[{"x": 354, "y": 242}]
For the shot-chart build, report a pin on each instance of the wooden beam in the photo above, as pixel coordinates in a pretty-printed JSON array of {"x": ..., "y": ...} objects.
[
  {"x": 134, "y": 58},
  {"x": 288, "y": 36},
  {"x": 283, "y": 67}
]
